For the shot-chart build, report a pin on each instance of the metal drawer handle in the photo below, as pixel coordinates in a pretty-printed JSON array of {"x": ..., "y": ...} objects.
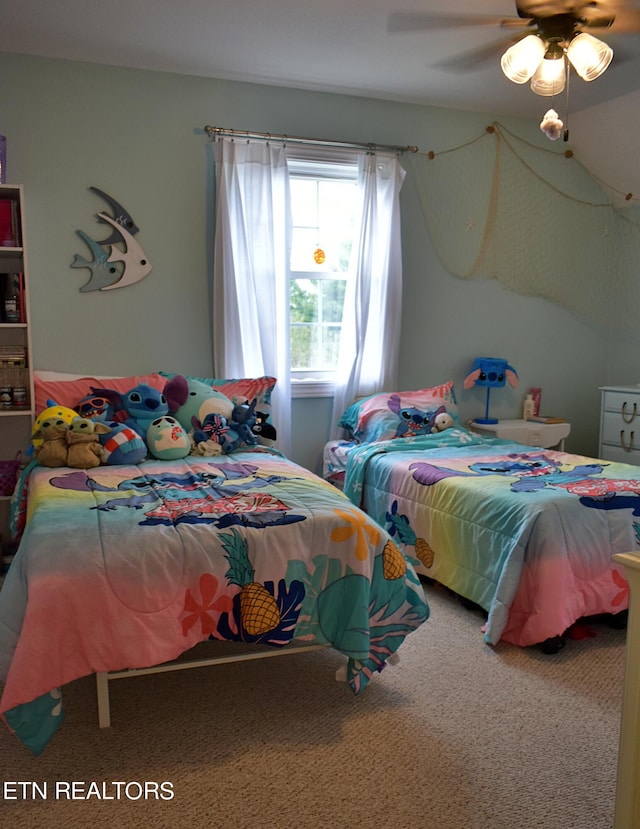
[
  {"x": 624, "y": 412},
  {"x": 628, "y": 448}
]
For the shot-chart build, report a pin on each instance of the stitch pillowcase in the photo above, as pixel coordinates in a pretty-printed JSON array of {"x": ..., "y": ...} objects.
[{"x": 389, "y": 415}]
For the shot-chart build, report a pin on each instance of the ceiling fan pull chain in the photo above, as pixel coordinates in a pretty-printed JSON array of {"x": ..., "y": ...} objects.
[{"x": 566, "y": 115}]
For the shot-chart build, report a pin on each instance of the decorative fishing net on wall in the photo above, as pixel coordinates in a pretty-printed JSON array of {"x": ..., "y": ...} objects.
[{"x": 536, "y": 221}]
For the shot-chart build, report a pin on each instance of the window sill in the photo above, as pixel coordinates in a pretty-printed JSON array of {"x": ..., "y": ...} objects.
[{"x": 312, "y": 388}]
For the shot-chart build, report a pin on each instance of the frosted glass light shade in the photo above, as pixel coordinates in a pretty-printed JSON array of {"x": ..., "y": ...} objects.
[
  {"x": 522, "y": 59},
  {"x": 589, "y": 56},
  {"x": 549, "y": 77}
]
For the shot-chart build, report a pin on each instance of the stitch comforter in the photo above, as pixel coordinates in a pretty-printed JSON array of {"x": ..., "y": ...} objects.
[
  {"x": 526, "y": 533},
  {"x": 130, "y": 566}
]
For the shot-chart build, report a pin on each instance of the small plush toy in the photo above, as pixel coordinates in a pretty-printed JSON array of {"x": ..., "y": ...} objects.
[
  {"x": 551, "y": 125},
  {"x": 265, "y": 432},
  {"x": 207, "y": 438},
  {"x": 122, "y": 445},
  {"x": 84, "y": 449},
  {"x": 441, "y": 420},
  {"x": 167, "y": 439},
  {"x": 52, "y": 446},
  {"x": 241, "y": 425}
]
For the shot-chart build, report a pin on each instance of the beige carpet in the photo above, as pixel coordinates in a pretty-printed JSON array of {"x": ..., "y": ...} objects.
[{"x": 456, "y": 736}]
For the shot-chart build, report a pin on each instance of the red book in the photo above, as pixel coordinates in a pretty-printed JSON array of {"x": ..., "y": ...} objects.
[{"x": 6, "y": 231}]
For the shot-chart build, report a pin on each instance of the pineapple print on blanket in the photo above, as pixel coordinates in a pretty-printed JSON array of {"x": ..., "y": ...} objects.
[{"x": 259, "y": 611}]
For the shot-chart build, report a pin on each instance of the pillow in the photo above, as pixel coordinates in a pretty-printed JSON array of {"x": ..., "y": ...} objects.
[
  {"x": 67, "y": 392},
  {"x": 389, "y": 415}
]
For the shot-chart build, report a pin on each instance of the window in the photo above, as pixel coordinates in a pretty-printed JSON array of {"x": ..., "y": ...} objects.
[{"x": 324, "y": 206}]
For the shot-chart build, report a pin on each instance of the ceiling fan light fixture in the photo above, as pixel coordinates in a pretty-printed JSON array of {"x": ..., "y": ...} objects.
[
  {"x": 589, "y": 56},
  {"x": 521, "y": 60},
  {"x": 549, "y": 77}
]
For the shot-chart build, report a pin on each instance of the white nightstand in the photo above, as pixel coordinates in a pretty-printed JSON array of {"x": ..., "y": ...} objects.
[{"x": 527, "y": 432}]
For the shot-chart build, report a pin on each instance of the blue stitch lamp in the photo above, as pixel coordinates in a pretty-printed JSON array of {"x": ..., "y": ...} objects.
[{"x": 493, "y": 373}]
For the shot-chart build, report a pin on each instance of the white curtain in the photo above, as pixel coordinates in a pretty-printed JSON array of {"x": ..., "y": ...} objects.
[
  {"x": 251, "y": 270},
  {"x": 371, "y": 327}
]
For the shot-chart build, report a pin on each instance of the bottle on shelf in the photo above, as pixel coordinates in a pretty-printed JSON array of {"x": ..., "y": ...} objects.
[
  {"x": 536, "y": 393},
  {"x": 528, "y": 407},
  {"x": 12, "y": 298}
]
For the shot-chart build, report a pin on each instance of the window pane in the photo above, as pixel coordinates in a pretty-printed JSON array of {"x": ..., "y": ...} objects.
[
  {"x": 332, "y": 299},
  {"x": 304, "y": 242},
  {"x": 304, "y": 300},
  {"x": 300, "y": 346},
  {"x": 316, "y": 322},
  {"x": 322, "y": 214},
  {"x": 304, "y": 202},
  {"x": 331, "y": 346}
]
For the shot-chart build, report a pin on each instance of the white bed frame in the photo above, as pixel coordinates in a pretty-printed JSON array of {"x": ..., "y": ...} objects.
[
  {"x": 628, "y": 781},
  {"x": 103, "y": 678}
]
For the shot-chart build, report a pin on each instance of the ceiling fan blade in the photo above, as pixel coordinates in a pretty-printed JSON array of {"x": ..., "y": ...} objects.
[
  {"x": 421, "y": 21},
  {"x": 627, "y": 21},
  {"x": 464, "y": 61}
]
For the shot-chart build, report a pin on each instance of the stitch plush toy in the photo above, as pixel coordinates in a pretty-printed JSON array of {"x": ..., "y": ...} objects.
[
  {"x": 138, "y": 407},
  {"x": 141, "y": 405},
  {"x": 84, "y": 449},
  {"x": 240, "y": 433}
]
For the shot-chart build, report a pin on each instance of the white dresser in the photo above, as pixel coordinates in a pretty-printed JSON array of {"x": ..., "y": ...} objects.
[{"x": 620, "y": 424}]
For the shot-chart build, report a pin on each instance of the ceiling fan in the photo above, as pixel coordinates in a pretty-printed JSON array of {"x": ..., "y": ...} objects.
[{"x": 545, "y": 38}]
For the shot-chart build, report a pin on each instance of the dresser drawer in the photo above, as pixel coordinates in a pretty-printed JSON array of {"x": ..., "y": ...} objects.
[
  {"x": 625, "y": 404},
  {"x": 618, "y": 455},
  {"x": 615, "y": 432}
]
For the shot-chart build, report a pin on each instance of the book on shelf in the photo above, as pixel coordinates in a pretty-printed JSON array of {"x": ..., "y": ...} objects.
[
  {"x": 546, "y": 419},
  {"x": 10, "y": 230}
]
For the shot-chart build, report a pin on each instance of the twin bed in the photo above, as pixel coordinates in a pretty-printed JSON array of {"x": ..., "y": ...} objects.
[
  {"x": 128, "y": 566},
  {"x": 526, "y": 533}
]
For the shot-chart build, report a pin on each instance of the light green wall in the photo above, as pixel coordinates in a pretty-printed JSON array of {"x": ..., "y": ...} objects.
[{"x": 138, "y": 136}]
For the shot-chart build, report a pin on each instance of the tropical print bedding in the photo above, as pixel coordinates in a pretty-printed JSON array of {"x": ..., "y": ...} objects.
[
  {"x": 130, "y": 566},
  {"x": 527, "y": 533}
]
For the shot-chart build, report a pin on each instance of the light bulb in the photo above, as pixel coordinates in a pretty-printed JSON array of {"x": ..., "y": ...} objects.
[
  {"x": 522, "y": 59},
  {"x": 589, "y": 56},
  {"x": 549, "y": 77}
]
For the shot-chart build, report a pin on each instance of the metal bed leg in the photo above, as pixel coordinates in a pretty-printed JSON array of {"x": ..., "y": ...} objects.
[{"x": 102, "y": 694}]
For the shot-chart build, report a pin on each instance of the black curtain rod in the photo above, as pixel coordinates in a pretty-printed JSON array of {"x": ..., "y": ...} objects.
[{"x": 220, "y": 132}]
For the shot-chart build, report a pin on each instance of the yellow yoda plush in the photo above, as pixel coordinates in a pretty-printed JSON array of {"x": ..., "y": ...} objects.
[{"x": 53, "y": 412}]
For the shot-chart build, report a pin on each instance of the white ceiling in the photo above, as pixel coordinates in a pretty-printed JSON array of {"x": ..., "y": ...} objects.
[{"x": 340, "y": 46}]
